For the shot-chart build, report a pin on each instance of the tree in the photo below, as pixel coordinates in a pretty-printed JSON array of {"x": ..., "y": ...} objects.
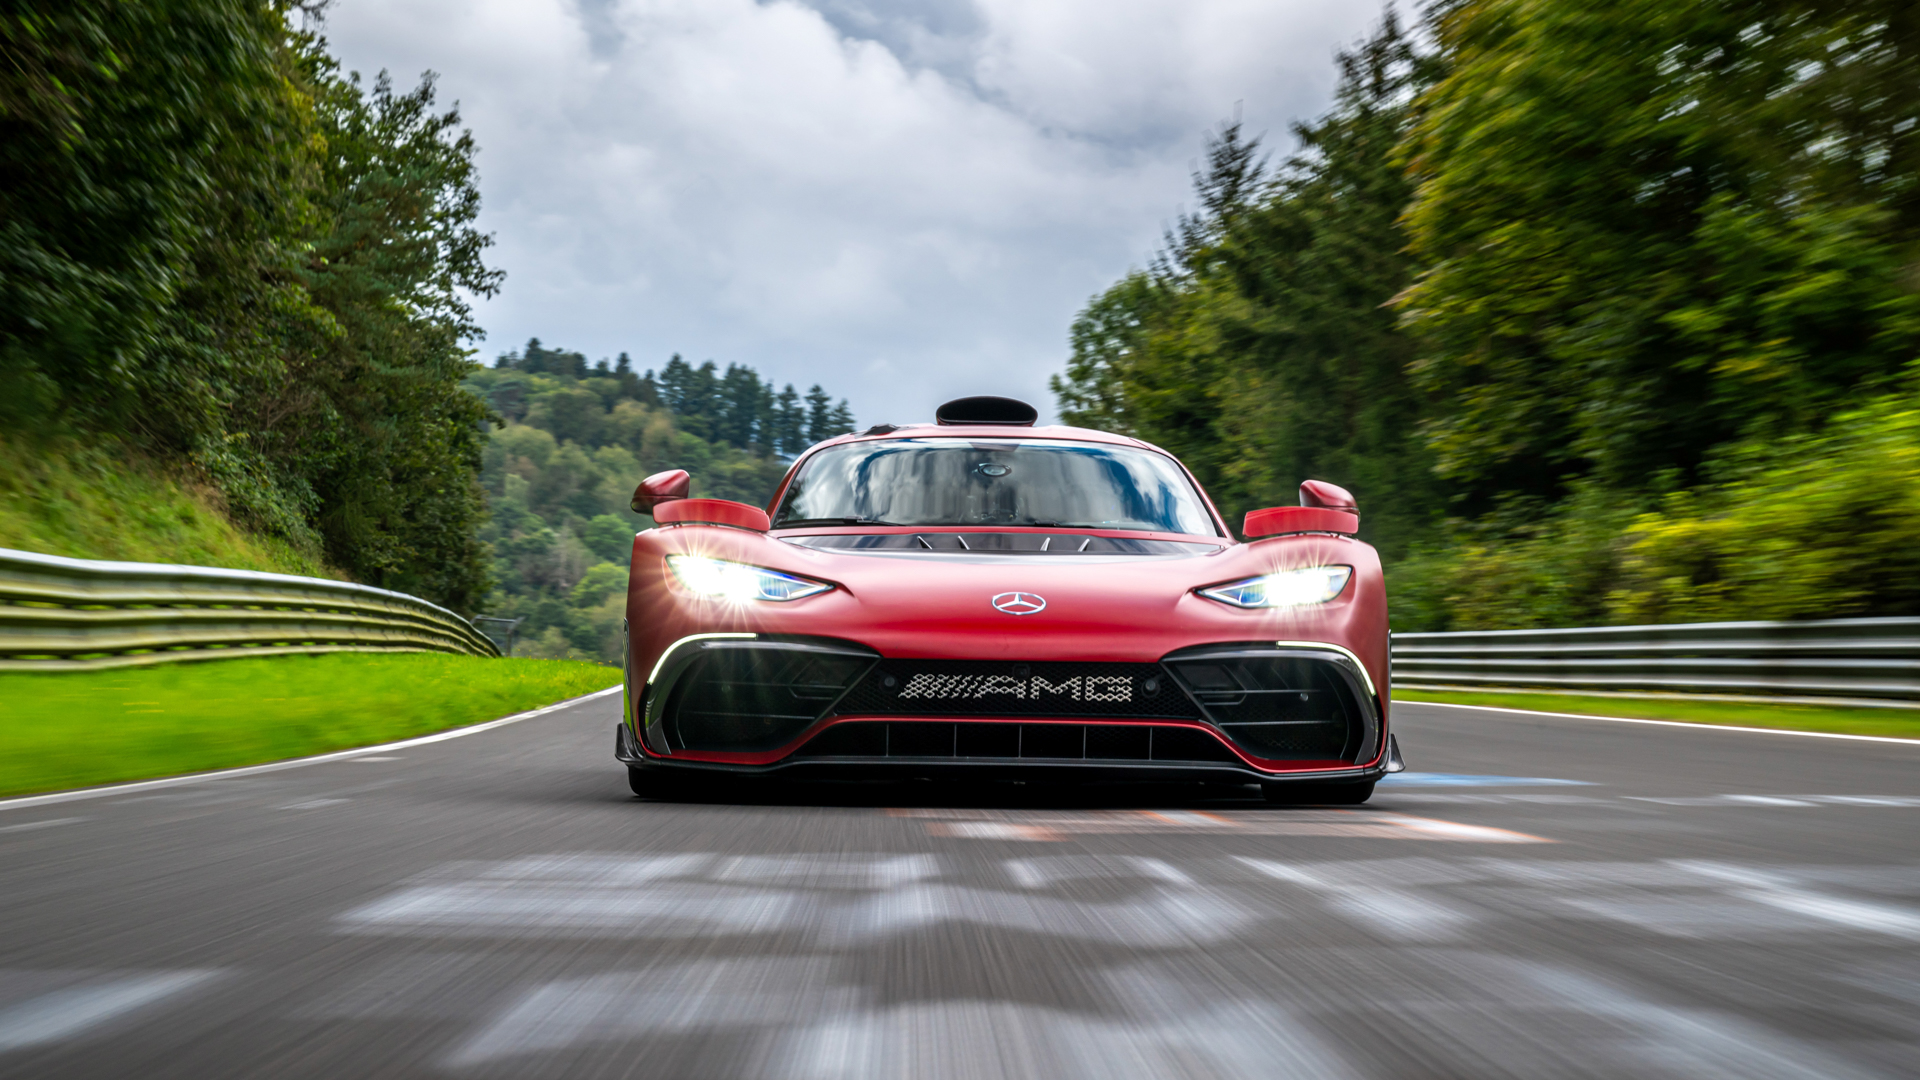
[
  {"x": 370, "y": 416},
  {"x": 788, "y": 423},
  {"x": 1651, "y": 230},
  {"x": 1257, "y": 345}
]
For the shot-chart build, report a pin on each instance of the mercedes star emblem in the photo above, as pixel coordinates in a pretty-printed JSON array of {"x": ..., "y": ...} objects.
[{"x": 1020, "y": 603}]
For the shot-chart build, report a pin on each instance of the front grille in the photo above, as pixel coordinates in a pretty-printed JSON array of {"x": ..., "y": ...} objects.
[
  {"x": 1027, "y": 742},
  {"x": 1003, "y": 688}
]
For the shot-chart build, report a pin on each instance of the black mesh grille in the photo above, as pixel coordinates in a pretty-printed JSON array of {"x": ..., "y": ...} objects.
[
  {"x": 1000, "y": 688},
  {"x": 1026, "y": 742},
  {"x": 1276, "y": 706}
]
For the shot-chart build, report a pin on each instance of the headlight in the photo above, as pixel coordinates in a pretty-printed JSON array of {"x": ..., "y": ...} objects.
[
  {"x": 738, "y": 581},
  {"x": 1288, "y": 588}
]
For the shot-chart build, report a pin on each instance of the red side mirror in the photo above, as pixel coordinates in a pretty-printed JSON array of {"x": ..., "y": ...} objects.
[
  {"x": 713, "y": 512},
  {"x": 1285, "y": 520},
  {"x": 1327, "y": 497},
  {"x": 661, "y": 487}
]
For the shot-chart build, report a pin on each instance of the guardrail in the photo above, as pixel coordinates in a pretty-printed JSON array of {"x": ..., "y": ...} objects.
[
  {"x": 1864, "y": 658},
  {"x": 58, "y": 613}
]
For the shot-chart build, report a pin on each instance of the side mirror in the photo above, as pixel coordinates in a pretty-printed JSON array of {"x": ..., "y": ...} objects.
[
  {"x": 661, "y": 487},
  {"x": 713, "y": 512},
  {"x": 1327, "y": 497}
]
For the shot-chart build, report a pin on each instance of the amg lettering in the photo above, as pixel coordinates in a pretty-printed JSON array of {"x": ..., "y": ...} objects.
[
  {"x": 1076, "y": 688},
  {"x": 1041, "y": 686}
]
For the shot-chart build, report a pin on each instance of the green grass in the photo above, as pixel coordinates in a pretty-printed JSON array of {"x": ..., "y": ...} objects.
[
  {"x": 75, "y": 729},
  {"x": 104, "y": 501},
  {"x": 1897, "y": 723}
]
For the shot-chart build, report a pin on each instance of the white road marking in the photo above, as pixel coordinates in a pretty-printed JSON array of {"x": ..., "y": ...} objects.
[
  {"x": 676, "y": 897},
  {"x": 1908, "y": 801},
  {"x": 791, "y": 1019},
  {"x": 822, "y": 872},
  {"x": 1395, "y": 912},
  {"x": 29, "y": 826},
  {"x": 62, "y": 1014},
  {"x": 1664, "y": 723},
  {"x": 1047, "y": 872},
  {"x": 1771, "y": 889},
  {"x": 313, "y": 804},
  {"x": 294, "y": 763}
]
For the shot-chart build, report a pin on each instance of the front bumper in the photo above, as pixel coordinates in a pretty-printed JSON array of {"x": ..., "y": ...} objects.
[
  {"x": 920, "y": 766},
  {"x": 1237, "y": 711}
]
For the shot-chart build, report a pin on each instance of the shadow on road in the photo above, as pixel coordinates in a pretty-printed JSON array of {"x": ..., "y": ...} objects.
[{"x": 956, "y": 794}]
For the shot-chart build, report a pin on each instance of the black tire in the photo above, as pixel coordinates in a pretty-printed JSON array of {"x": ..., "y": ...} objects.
[
  {"x": 1347, "y": 794},
  {"x": 652, "y": 783}
]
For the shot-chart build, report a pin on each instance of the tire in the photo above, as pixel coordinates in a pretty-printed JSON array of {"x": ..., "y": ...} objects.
[{"x": 1348, "y": 794}]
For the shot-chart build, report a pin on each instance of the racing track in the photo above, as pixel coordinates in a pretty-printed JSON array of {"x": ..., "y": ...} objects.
[{"x": 1656, "y": 902}]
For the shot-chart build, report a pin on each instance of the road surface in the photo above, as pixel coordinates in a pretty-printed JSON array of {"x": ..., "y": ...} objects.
[{"x": 1539, "y": 897}]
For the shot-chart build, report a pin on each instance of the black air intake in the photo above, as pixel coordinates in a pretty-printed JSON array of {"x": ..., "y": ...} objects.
[
  {"x": 750, "y": 695},
  {"x": 1278, "y": 703}
]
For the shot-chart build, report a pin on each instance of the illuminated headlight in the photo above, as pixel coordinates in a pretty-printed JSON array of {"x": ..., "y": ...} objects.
[
  {"x": 1288, "y": 588},
  {"x": 738, "y": 581}
]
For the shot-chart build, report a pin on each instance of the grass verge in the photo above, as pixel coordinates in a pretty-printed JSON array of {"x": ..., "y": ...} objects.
[
  {"x": 105, "y": 501},
  {"x": 1894, "y": 723},
  {"x": 76, "y": 729}
]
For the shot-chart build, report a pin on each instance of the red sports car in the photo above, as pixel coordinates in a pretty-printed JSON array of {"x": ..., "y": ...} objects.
[{"x": 980, "y": 595}]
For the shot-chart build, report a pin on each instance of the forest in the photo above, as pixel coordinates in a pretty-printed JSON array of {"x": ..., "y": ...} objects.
[
  {"x": 224, "y": 259},
  {"x": 239, "y": 280},
  {"x": 575, "y": 439},
  {"x": 1607, "y": 313}
]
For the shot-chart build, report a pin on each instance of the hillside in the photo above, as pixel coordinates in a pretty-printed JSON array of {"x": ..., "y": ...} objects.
[{"x": 104, "y": 501}]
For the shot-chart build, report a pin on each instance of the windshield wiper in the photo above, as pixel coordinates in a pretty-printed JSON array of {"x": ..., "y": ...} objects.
[{"x": 802, "y": 523}]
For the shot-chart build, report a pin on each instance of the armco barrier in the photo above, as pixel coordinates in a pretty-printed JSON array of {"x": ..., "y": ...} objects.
[
  {"x": 1867, "y": 658},
  {"x": 60, "y": 613}
]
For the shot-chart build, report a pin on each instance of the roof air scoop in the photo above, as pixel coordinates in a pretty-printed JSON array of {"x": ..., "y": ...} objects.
[{"x": 1002, "y": 411}]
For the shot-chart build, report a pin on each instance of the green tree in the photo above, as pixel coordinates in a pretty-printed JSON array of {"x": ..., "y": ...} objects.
[
  {"x": 1257, "y": 346},
  {"x": 1651, "y": 229}
]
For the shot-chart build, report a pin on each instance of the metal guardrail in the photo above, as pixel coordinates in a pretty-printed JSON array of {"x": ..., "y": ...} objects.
[
  {"x": 58, "y": 614},
  {"x": 1863, "y": 658}
]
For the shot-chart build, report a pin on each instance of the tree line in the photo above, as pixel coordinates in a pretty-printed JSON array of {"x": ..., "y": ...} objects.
[
  {"x": 1607, "y": 312},
  {"x": 735, "y": 407},
  {"x": 222, "y": 253},
  {"x": 560, "y": 472}
]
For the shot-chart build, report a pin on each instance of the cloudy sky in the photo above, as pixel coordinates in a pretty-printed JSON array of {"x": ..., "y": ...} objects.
[{"x": 904, "y": 200}]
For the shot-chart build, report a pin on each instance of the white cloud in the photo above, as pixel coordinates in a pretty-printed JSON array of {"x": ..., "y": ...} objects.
[{"x": 905, "y": 201}]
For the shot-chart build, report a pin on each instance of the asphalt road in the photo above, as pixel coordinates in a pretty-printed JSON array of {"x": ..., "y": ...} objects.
[{"x": 1538, "y": 898}]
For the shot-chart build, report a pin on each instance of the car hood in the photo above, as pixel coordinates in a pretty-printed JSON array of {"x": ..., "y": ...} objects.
[{"x": 938, "y": 604}]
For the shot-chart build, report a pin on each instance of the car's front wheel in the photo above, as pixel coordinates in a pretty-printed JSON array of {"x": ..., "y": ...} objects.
[{"x": 1347, "y": 794}]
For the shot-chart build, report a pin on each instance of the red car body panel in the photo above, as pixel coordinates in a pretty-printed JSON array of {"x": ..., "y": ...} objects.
[{"x": 938, "y": 606}]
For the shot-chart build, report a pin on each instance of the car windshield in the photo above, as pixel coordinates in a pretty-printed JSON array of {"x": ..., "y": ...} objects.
[{"x": 1045, "y": 483}]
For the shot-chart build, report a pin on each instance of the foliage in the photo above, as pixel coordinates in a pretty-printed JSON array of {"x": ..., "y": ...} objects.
[
  {"x": 735, "y": 408},
  {"x": 215, "y": 244},
  {"x": 1257, "y": 347},
  {"x": 1649, "y": 229},
  {"x": 1813, "y": 526},
  {"x": 178, "y": 718},
  {"x": 1656, "y": 271},
  {"x": 104, "y": 500},
  {"x": 560, "y": 475}
]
